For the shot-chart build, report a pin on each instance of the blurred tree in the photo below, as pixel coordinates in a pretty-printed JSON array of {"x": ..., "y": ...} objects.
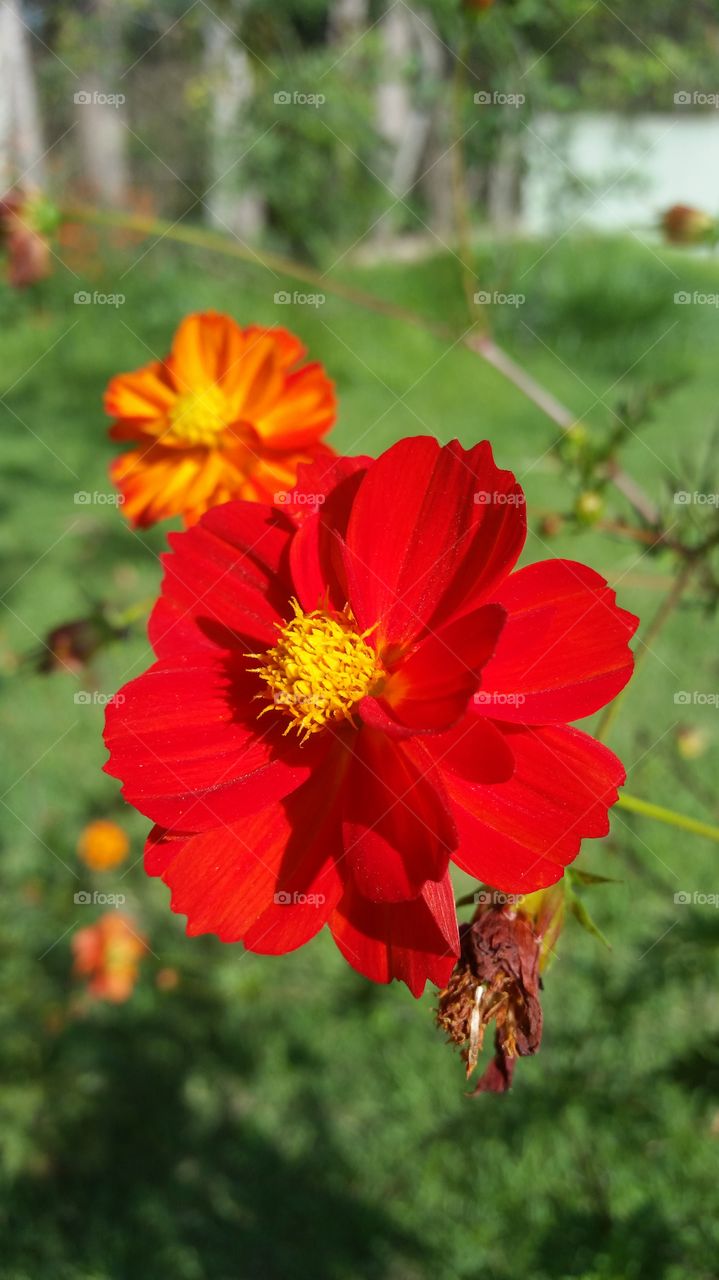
[
  {"x": 21, "y": 144},
  {"x": 231, "y": 202},
  {"x": 101, "y": 128},
  {"x": 346, "y": 21},
  {"x": 412, "y": 58}
]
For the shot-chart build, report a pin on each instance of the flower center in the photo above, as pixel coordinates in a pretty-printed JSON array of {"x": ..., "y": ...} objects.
[
  {"x": 199, "y": 417},
  {"x": 319, "y": 669}
]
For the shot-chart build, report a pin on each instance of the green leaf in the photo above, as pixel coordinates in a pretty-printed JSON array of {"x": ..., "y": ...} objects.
[{"x": 580, "y": 913}]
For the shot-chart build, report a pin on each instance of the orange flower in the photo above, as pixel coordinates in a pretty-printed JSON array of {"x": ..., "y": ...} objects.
[
  {"x": 103, "y": 845},
  {"x": 108, "y": 953},
  {"x": 229, "y": 414}
]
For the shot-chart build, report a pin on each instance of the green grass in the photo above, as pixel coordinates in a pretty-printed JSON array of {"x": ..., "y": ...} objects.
[{"x": 282, "y": 1117}]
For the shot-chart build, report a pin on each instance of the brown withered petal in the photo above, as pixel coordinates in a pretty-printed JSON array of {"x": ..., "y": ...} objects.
[{"x": 496, "y": 979}]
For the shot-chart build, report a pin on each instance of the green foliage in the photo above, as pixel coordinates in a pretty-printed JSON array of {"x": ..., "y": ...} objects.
[{"x": 281, "y": 1116}]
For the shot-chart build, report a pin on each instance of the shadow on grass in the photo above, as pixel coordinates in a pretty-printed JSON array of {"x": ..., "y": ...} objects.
[{"x": 154, "y": 1164}]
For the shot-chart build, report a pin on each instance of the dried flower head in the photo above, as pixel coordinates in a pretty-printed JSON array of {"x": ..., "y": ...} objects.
[{"x": 497, "y": 979}]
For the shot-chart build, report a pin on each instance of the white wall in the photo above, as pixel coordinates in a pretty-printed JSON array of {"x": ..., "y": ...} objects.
[{"x": 634, "y": 166}]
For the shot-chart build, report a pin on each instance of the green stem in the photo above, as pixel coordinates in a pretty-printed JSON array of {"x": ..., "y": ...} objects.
[
  {"x": 133, "y": 613},
  {"x": 661, "y": 814}
]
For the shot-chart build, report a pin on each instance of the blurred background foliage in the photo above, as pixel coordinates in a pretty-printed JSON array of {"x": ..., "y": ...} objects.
[
  {"x": 243, "y": 1116},
  {"x": 200, "y": 129},
  {"x": 252, "y": 1116}
]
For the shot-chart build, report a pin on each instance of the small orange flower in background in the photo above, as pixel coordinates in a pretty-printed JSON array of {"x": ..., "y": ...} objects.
[
  {"x": 108, "y": 954},
  {"x": 103, "y": 845},
  {"x": 231, "y": 413}
]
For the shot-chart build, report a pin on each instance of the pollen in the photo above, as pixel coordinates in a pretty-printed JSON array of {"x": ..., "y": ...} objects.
[
  {"x": 318, "y": 671},
  {"x": 199, "y": 417}
]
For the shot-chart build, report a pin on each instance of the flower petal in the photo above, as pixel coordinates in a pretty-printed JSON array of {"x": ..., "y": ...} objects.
[
  {"x": 564, "y": 651},
  {"x": 519, "y": 835},
  {"x": 225, "y": 582},
  {"x": 316, "y": 484},
  {"x": 157, "y": 482},
  {"x": 431, "y": 688},
  {"x": 421, "y": 548},
  {"x": 141, "y": 396},
  {"x": 414, "y": 942},
  {"x": 305, "y": 410},
  {"x": 185, "y": 742},
  {"x": 397, "y": 829},
  {"x": 207, "y": 347},
  {"x": 316, "y": 555},
  {"x": 475, "y": 750},
  {"x": 270, "y": 881}
]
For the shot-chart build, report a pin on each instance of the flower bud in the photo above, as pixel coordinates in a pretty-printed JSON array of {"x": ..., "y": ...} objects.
[
  {"x": 684, "y": 225},
  {"x": 589, "y": 507},
  {"x": 691, "y": 741},
  {"x": 551, "y": 525}
]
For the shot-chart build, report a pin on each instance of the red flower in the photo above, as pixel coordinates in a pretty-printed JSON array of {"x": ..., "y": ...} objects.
[{"x": 330, "y": 777}]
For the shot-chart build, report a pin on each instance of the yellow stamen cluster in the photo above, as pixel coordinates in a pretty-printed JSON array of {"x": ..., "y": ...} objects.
[
  {"x": 319, "y": 669},
  {"x": 199, "y": 417}
]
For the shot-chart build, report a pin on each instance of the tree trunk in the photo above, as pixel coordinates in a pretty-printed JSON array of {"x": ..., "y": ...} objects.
[
  {"x": 101, "y": 130},
  {"x": 347, "y": 20},
  {"x": 504, "y": 185},
  {"x": 229, "y": 203},
  {"x": 21, "y": 144},
  {"x": 410, "y": 129},
  {"x": 437, "y": 178}
]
